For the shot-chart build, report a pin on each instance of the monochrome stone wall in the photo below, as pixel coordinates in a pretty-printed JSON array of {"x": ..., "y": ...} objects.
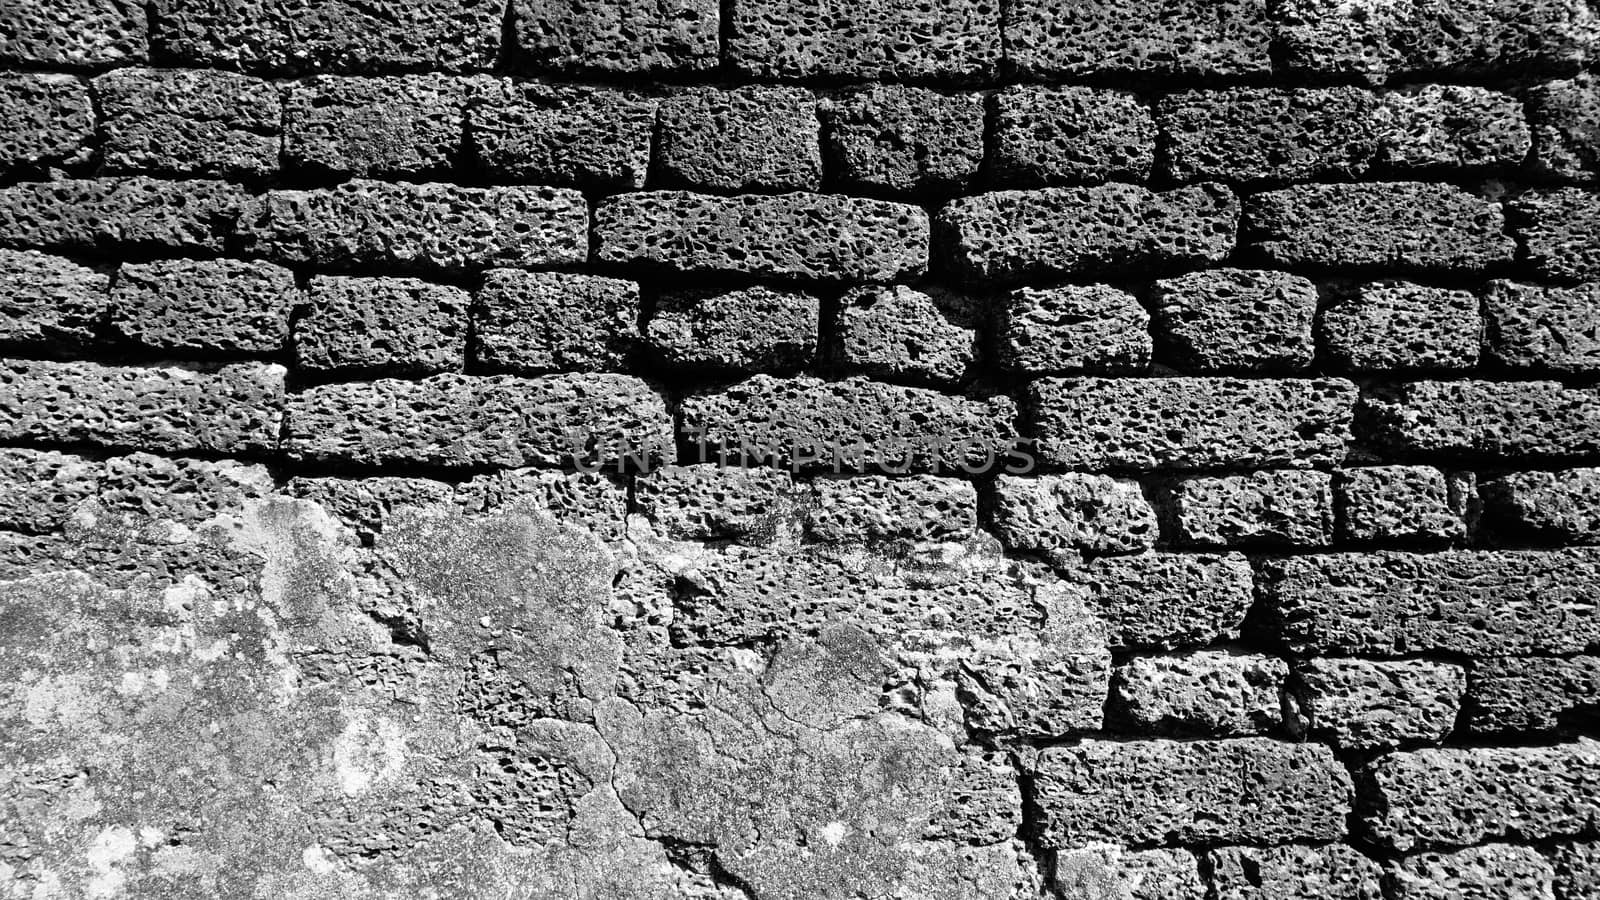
[{"x": 799, "y": 450}]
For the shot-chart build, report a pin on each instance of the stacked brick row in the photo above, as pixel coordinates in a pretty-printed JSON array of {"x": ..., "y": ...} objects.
[{"x": 1268, "y": 332}]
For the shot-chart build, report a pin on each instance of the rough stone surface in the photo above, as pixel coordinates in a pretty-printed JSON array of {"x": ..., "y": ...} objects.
[
  {"x": 1069, "y": 135},
  {"x": 1493, "y": 870},
  {"x": 51, "y": 120},
  {"x": 753, "y": 330},
  {"x": 879, "y": 508},
  {"x": 1207, "y": 694},
  {"x": 807, "y": 236},
  {"x": 420, "y": 226},
  {"x": 853, "y": 424},
  {"x": 1014, "y": 235},
  {"x": 566, "y": 135},
  {"x": 337, "y": 36},
  {"x": 1293, "y": 872},
  {"x": 1095, "y": 513},
  {"x": 1562, "y": 504},
  {"x": 1168, "y": 600},
  {"x": 1493, "y": 603},
  {"x": 398, "y": 325},
  {"x": 873, "y": 40},
  {"x": 899, "y": 334},
  {"x": 708, "y": 502},
  {"x": 1263, "y": 134},
  {"x": 1460, "y": 796},
  {"x": 1107, "y": 871},
  {"x": 1190, "y": 37},
  {"x": 189, "y": 122},
  {"x": 630, "y": 36},
  {"x": 1402, "y": 503},
  {"x": 46, "y": 300},
  {"x": 1577, "y": 870},
  {"x": 1251, "y": 789},
  {"x": 1561, "y": 229},
  {"x": 1444, "y": 126},
  {"x": 130, "y": 214},
  {"x": 1397, "y": 325},
  {"x": 455, "y": 420},
  {"x": 233, "y": 409},
  {"x": 1540, "y": 327},
  {"x": 904, "y": 140},
  {"x": 398, "y": 125},
  {"x": 221, "y": 305},
  {"x": 42, "y": 488},
  {"x": 1361, "y": 705},
  {"x": 75, "y": 33},
  {"x": 1092, "y": 328},
  {"x": 1566, "y": 117},
  {"x": 1232, "y": 319},
  {"x": 1190, "y": 422},
  {"x": 1488, "y": 419},
  {"x": 1283, "y": 508},
  {"x": 1532, "y": 694},
  {"x": 1409, "y": 226},
  {"x": 535, "y": 322},
  {"x": 754, "y": 138}
]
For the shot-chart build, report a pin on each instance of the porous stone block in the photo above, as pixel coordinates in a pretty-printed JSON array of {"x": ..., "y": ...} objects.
[
  {"x": 1448, "y": 126},
  {"x": 568, "y": 135},
  {"x": 855, "y": 424},
  {"x": 1168, "y": 600},
  {"x": 399, "y": 325},
  {"x": 1476, "y": 873},
  {"x": 1223, "y": 319},
  {"x": 46, "y": 300},
  {"x": 1068, "y": 135},
  {"x": 709, "y": 502},
  {"x": 221, "y": 305},
  {"x": 1075, "y": 328},
  {"x": 751, "y": 330},
  {"x": 1190, "y": 422},
  {"x": 1396, "y": 325},
  {"x": 1239, "y": 790},
  {"x": 879, "y": 508},
  {"x": 1283, "y": 508},
  {"x": 1495, "y": 603},
  {"x": 875, "y": 40},
  {"x": 39, "y": 489},
  {"x": 1467, "y": 795},
  {"x": 330, "y": 35},
  {"x": 187, "y": 491},
  {"x": 1293, "y": 872},
  {"x": 597, "y": 501},
  {"x": 1488, "y": 419},
  {"x": 1542, "y": 327},
  {"x": 1268, "y": 134},
  {"x": 420, "y": 226},
  {"x": 1514, "y": 695},
  {"x": 1154, "y": 37},
  {"x": 1563, "y": 504},
  {"x": 189, "y": 122},
  {"x": 896, "y": 333},
  {"x": 396, "y": 125},
  {"x": 532, "y": 322},
  {"x": 128, "y": 214},
  {"x": 1577, "y": 870},
  {"x": 1209, "y": 694},
  {"x": 807, "y": 236},
  {"x": 1402, "y": 503},
  {"x": 1566, "y": 128},
  {"x": 1096, "y": 513},
  {"x": 628, "y": 37},
  {"x": 1379, "y": 41},
  {"x": 904, "y": 140},
  {"x": 741, "y": 139},
  {"x": 1014, "y": 235},
  {"x": 1106, "y": 871},
  {"x": 369, "y": 504},
  {"x": 231, "y": 409},
  {"x": 1408, "y": 225},
  {"x": 460, "y": 421},
  {"x": 987, "y": 806},
  {"x": 1561, "y": 229},
  {"x": 1362, "y": 705},
  {"x": 75, "y": 33},
  {"x": 50, "y": 119}
]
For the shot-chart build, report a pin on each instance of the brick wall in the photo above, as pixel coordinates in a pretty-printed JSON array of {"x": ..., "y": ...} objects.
[{"x": 997, "y": 449}]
